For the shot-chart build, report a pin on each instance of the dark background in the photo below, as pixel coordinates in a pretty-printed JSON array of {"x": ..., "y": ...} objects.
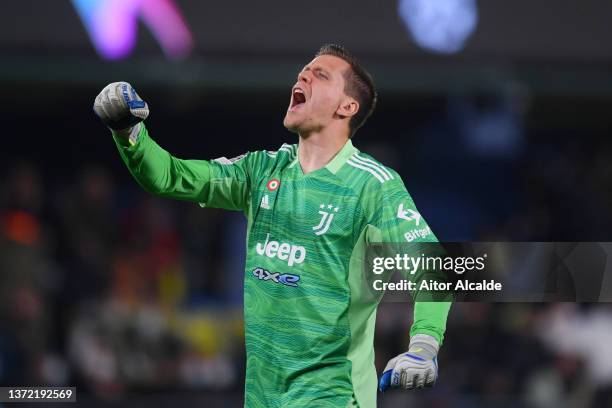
[{"x": 137, "y": 300}]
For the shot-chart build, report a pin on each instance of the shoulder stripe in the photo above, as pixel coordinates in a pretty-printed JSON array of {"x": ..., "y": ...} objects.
[
  {"x": 288, "y": 148},
  {"x": 285, "y": 148},
  {"x": 382, "y": 167},
  {"x": 371, "y": 166},
  {"x": 368, "y": 169},
  {"x": 223, "y": 160}
]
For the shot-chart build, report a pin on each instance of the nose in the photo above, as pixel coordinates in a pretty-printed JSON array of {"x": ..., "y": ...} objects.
[{"x": 304, "y": 76}]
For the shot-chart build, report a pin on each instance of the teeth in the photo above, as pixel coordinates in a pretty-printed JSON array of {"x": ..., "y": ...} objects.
[{"x": 298, "y": 100}]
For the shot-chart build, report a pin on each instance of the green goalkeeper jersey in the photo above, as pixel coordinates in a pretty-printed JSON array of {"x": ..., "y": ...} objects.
[{"x": 309, "y": 329}]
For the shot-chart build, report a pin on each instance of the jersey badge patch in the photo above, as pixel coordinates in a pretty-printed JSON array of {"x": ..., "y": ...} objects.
[
  {"x": 327, "y": 215},
  {"x": 273, "y": 184}
]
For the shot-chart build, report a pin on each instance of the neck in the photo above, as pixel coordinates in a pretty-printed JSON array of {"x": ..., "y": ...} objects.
[{"x": 316, "y": 150}]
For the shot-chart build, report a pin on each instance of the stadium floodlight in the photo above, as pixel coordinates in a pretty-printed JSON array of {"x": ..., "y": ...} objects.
[{"x": 441, "y": 26}]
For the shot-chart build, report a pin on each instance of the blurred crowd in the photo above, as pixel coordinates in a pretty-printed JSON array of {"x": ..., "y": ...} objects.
[
  {"x": 107, "y": 288},
  {"x": 113, "y": 291}
]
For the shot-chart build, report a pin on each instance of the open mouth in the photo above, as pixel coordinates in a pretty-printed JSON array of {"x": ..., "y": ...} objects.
[{"x": 298, "y": 97}]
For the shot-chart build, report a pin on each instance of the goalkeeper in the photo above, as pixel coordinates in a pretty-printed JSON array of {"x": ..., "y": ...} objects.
[{"x": 311, "y": 207}]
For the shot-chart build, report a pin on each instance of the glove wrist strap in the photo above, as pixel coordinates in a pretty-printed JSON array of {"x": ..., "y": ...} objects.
[
  {"x": 426, "y": 342},
  {"x": 129, "y": 134}
]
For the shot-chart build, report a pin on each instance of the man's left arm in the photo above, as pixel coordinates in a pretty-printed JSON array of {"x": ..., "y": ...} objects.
[{"x": 400, "y": 222}]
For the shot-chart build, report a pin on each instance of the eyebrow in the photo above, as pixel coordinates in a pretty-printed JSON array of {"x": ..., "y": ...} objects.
[
  {"x": 323, "y": 70},
  {"x": 317, "y": 69}
]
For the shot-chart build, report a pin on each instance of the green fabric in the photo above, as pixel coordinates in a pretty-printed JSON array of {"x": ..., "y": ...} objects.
[{"x": 309, "y": 342}]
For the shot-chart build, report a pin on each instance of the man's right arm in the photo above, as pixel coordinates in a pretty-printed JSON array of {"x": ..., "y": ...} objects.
[
  {"x": 212, "y": 183},
  {"x": 218, "y": 183},
  {"x": 160, "y": 173}
]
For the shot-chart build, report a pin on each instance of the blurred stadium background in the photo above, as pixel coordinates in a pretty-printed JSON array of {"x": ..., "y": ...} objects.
[{"x": 497, "y": 114}]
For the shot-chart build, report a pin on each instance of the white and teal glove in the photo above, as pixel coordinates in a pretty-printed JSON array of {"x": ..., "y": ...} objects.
[
  {"x": 417, "y": 368},
  {"x": 120, "y": 107}
]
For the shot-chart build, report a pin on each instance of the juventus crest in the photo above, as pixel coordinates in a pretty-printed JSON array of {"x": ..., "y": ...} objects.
[{"x": 327, "y": 215}]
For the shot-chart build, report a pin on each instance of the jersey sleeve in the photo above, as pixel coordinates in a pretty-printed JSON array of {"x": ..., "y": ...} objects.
[
  {"x": 397, "y": 220},
  {"x": 221, "y": 183}
]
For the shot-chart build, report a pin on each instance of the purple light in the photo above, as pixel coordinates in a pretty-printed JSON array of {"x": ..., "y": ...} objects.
[
  {"x": 168, "y": 27},
  {"x": 112, "y": 25}
]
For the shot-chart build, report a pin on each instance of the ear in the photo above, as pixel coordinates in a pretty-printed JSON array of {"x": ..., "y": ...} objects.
[{"x": 348, "y": 108}]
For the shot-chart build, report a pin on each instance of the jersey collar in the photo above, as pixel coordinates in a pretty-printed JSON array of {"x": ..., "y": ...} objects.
[{"x": 341, "y": 157}]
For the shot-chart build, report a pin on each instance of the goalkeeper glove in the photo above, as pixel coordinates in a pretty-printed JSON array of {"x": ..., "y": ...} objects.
[
  {"x": 120, "y": 107},
  {"x": 417, "y": 368}
]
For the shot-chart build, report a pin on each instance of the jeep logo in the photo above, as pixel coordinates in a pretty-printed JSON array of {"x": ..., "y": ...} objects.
[{"x": 293, "y": 254}]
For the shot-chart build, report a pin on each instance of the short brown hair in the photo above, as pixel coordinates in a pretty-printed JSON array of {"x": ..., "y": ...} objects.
[{"x": 359, "y": 84}]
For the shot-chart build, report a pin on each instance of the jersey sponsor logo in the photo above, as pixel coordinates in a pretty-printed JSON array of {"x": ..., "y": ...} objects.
[
  {"x": 273, "y": 184},
  {"x": 326, "y": 218},
  {"x": 417, "y": 233},
  {"x": 265, "y": 202},
  {"x": 286, "y": 279},
  {"x": 408, "y": 214},
  {"x": 293, "y": 254}
]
